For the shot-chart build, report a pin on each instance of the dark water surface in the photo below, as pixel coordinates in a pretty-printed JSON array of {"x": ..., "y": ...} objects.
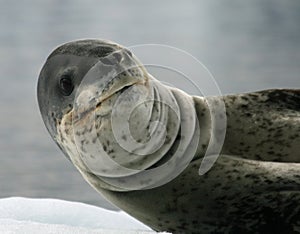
[{"x": 247, "y": 45}]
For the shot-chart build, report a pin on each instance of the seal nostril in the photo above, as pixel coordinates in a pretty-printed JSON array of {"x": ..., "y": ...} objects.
[
  {"x": 107, "y": 61},
  {"x": 118, "y": 57},
  {"x": 112, "y": 59},
  {"x": 66, "y": 85}
]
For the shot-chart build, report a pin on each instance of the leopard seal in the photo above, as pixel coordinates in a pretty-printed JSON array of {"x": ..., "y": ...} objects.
[{"x": 140, "y": 144}]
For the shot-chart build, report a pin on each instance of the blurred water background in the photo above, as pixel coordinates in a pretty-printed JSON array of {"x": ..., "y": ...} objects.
[{"x": 247, "y": 45}]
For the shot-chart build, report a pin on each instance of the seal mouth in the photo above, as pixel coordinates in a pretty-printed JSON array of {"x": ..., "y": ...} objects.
[{"x": 96, "y": 104}]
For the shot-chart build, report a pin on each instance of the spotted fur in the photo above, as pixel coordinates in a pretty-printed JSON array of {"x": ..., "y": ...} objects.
[
  {"x": 246, "y": 192},
  {"x": 241, "y": 193},
  {"x": 254, "y": 186}
]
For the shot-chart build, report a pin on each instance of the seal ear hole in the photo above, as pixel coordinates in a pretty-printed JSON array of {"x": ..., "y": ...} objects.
[{"x": 66, "y": 85}]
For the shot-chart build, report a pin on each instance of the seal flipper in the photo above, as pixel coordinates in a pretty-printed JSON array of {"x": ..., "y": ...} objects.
[{"x": 264, "y": 125}]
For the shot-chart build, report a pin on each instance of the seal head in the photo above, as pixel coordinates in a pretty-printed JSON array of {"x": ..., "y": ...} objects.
[
  {"x": 112, "y": 119},
  {"x": 62, "y": 74}
]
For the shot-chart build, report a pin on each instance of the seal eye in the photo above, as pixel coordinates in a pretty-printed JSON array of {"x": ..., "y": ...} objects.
[{"x": 66, "y": 85}]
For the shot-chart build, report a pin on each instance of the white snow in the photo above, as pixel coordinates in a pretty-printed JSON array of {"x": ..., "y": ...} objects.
[{"x": 25, "y": 215}]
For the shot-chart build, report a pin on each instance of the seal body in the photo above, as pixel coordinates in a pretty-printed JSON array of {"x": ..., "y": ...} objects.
[{"x": 141, "y": 144}]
